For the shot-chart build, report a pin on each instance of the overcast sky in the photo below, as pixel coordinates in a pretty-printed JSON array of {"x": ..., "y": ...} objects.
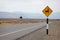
[
  {"x": 35, "y": 6},
  {"x": 29, "y": 6}
]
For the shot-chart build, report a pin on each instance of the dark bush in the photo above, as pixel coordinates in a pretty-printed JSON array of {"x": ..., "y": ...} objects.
[{"x": 20, "y": 17}]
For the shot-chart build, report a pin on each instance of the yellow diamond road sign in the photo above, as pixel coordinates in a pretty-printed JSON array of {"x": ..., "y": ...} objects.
[{"x": 47, "y": 11}]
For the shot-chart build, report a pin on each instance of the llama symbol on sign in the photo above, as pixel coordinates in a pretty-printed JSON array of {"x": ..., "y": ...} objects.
[{"x": 47, "y": 11}]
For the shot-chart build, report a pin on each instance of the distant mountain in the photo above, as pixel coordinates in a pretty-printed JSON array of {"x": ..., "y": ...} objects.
[
  {"x": 28, "y": 15},
  {"x": 18, "y": 14}
]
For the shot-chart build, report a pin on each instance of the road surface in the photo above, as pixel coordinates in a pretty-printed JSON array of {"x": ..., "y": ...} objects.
[{"x": 14, "y": 31}]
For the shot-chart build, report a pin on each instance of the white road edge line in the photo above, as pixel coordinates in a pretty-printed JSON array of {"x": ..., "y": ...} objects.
[{"x": 15, "y": 31}]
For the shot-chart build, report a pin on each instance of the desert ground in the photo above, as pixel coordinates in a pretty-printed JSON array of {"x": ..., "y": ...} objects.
[{"x": 20, "y": 21}]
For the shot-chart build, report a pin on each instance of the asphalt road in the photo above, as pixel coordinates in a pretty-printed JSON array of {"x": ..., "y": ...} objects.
[{"x": 11, "y": 32}]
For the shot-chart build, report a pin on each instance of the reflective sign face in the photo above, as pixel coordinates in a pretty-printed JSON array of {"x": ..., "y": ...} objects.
[{"x": 47, "y": 11}]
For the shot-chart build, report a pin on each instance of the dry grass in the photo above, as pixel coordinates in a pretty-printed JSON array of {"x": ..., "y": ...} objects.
[
  {"x": 15, "y": 21},
  {"x": 6, "y": 22},
  {"x": 21, "y": 21}
]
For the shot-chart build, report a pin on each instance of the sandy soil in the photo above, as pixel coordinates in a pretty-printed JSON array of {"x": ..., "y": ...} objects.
[{"x": 4, "y": 22}]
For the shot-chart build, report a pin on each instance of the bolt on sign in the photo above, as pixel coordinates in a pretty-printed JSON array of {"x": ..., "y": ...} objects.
[{"x": 47, "y": 11}]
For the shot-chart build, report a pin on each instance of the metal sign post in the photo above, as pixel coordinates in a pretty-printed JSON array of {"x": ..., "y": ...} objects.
[
  {"x": 47, "y": 11},
  {"x": 47, "y": 26}
]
